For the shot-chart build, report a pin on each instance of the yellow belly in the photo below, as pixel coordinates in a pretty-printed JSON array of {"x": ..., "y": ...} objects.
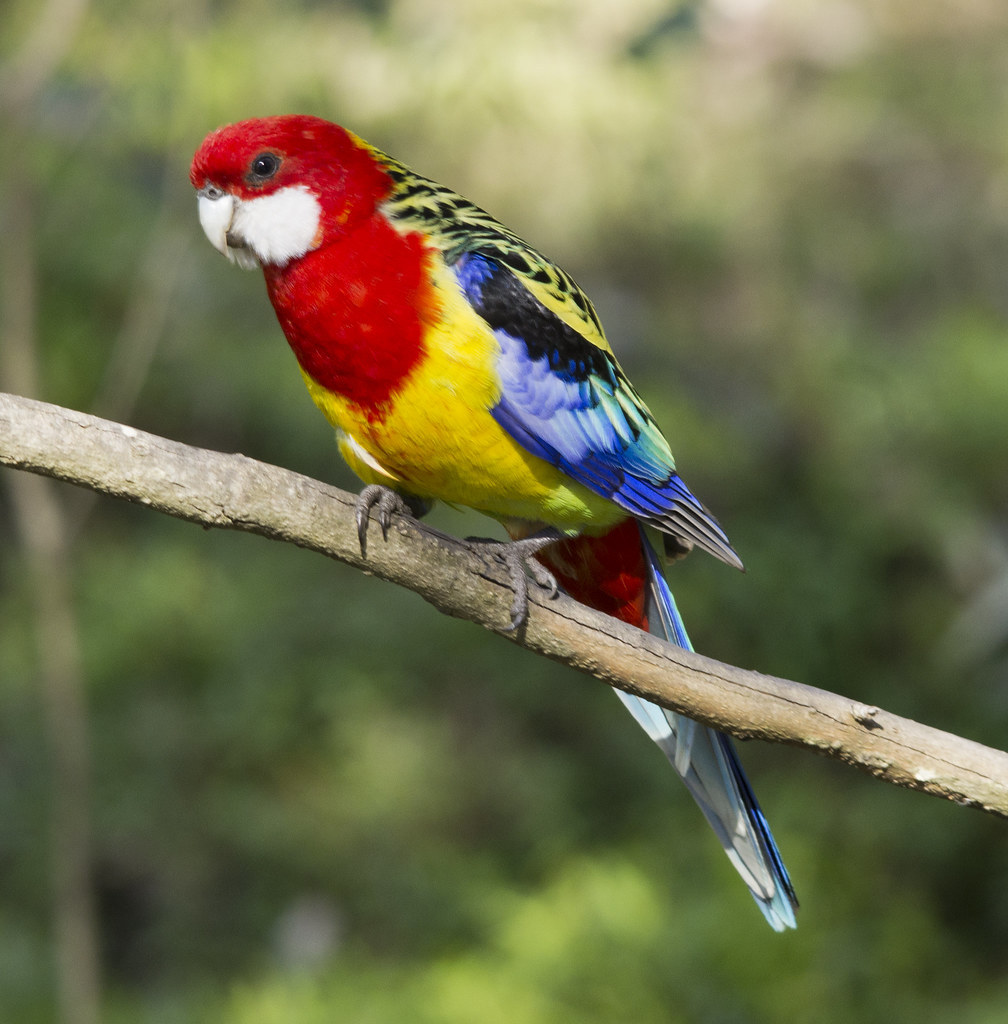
[{"x": 437, "y": 439}]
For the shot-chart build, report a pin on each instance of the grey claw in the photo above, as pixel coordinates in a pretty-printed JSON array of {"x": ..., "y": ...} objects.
[
  {"x": 519, "y": 559},
  {"x": 520, "y": 604},
  {"x": 387, "y": 502}
]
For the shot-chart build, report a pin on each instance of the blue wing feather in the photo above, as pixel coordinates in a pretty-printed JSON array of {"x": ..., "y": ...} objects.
[{"x": 567, "y": 401}]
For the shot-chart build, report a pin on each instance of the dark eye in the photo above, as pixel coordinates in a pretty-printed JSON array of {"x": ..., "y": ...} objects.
[{"x": 264, "y": 166}]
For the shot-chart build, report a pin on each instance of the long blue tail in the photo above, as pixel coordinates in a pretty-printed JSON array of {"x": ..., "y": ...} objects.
[{"x": 707, "y": 761}]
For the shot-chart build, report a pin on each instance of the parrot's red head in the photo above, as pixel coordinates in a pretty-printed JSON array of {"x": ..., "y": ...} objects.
[{"x": 272, "y": 189}]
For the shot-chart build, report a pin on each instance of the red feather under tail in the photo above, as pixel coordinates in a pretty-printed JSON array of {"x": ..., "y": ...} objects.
[{"x": 608, "y": 573}]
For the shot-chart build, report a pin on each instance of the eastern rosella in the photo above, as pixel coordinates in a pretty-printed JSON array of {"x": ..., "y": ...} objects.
[{"x": 459, "y": 364}]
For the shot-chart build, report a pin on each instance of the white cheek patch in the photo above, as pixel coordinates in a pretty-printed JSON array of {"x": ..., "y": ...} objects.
[{"x": 278, "y": 227}]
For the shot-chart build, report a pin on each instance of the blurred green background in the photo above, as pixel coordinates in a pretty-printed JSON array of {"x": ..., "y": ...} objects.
[{"x": 298, "y": 795}]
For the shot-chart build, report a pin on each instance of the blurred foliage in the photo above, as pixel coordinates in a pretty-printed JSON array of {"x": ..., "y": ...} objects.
[{"x": 315, "y": 799}]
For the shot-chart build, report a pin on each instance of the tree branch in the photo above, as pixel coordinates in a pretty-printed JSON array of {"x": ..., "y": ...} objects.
[{"x": 235, "y": 492}]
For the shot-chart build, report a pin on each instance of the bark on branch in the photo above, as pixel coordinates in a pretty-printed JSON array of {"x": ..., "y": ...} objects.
[{"x": 235, "y": 492}]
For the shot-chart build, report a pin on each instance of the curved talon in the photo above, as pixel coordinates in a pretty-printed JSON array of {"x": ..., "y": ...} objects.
[
  {"x": 519, "y": 559},
  {"x": 387, "y": 502},
  {"x": 519, "y": 581}
]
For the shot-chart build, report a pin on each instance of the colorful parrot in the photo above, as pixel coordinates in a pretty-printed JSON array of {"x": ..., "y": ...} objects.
[{"x": 458, "y": 364}]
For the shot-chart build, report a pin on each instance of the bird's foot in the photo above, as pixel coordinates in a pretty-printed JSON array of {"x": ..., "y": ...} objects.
[
  {"x": 387, "y": 503},
  {"x": 518, "y": 557}
]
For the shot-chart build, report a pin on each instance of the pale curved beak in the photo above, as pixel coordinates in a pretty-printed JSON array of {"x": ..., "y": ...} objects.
[{"x": 216, "y": 211}]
